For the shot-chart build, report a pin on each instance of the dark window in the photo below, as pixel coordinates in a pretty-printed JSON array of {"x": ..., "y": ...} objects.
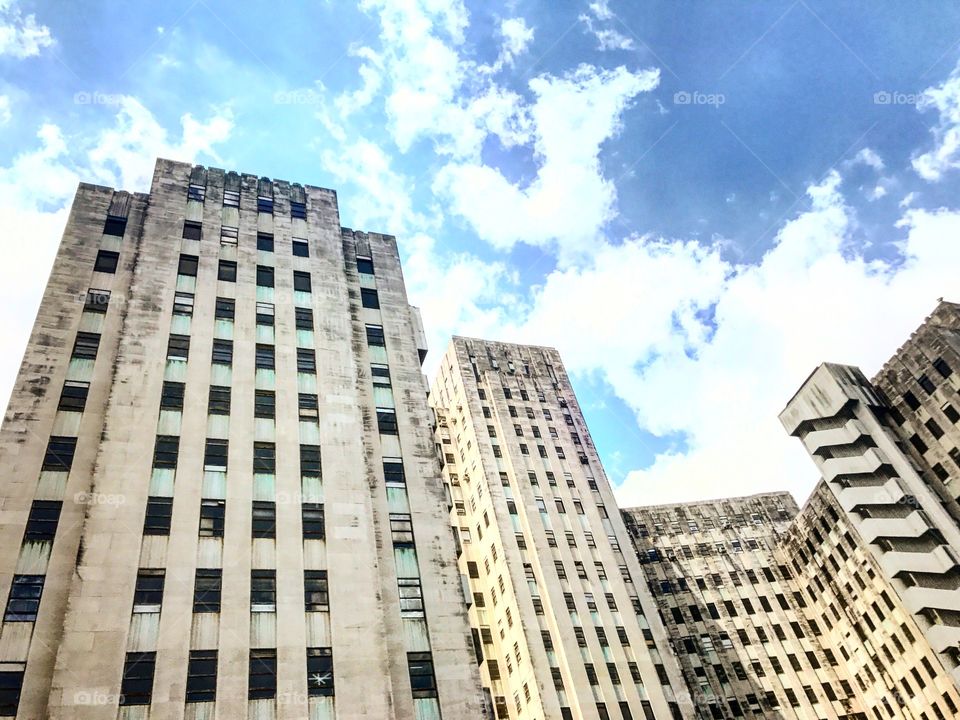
[
  {"x": 24, "y": 600},
  {"x": 215, "y": 454},
  {"x": 375, "y": 335},
  {"x": 106, "y": 261},
  {"x": 263, "y": 590},
  {"x": 265, "y": 357},
  {"x": 264, "y": 458},
  {"x": 264, "y": 404},
  {"x": 380, "y": 375},
  {"x": 951, "y": 412},
  {"x": 212, "y": 516},
  {"x": 171, "y": 396},
  {"x": 264, "y": 519},
  {"x": 301, "y": 248},
  {"x": 369, "y": 298},
  {"x": 206, "y": 590},
  {"x": 298, "y": 210},
  {"x": 941, "y": 367},
  {"x": 11, "y": 682},
  {"x": 73, "y": 397},
  {"x": 97, "y": 301},
  {"x": 114, "y": 225},
  {"x": 263, "y": 674},
  {"x": 309, "y": 409},
  {"x": 911, "y": 400},
  {"x": 393, "y": 472},
  {"x": 304, "y": 318},
  {"x": 306, "y": 361},
  {"x": 219, "y": 400},
  {"x": 226, "y": 309},
  {"x": 202, "y": 676},
  {"x": 316, "y": 597},
  {"x": 320, "y": 671},
  {"x": 387, "y": 421},
  {"x": 301, "y": 282},
  {"x": 934, "y": 428},
  {"x": 313, "y": 521},
  {"x": 42, "y": 521},
  {"x": 178, "y": 347},
  {"x": 86, "y": 345},
  {"x": 191, "y": 230},
  {"x": 310, "y": 460},
  {"x": 265, "y": 205},
  {"x": 223, "y": 352},
  {"x": 157, "y": 519},
  {"x": 59, "y": 455},
  {"x": 165, "y": 451},
  {"x": 149, "y": 589},
  {"x": 917, "y": 443},
  {"x": 137, "y": 686},
  {"x": 183, "y": 303},
  {"x": 265, "y": 242},
  {"x": 266, "y": 314},
  {"x": 927, "y": 384},
  {"x": 264, "y": 276},
  {"x": 365, "y": 265},
  {"x": 227, "y": 271},
  {"x": 196, "y": 192},
  {"x": 422, "y": 680}
]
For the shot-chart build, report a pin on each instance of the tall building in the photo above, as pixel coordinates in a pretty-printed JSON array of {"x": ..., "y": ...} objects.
[
  {"x": 219, "y": 490},
  {"x": 563, "y": 625},
  {"x": 735, "y": 612}
]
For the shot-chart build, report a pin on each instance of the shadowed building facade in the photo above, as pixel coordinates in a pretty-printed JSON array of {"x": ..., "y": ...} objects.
[{"x": 219, "y": 490}]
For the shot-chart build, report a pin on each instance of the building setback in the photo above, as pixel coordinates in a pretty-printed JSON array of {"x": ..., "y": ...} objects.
[
  {"x": 734, "y": 611},
  {"x": 563, "y": 625},
  {"x": 219, "y": 490}
]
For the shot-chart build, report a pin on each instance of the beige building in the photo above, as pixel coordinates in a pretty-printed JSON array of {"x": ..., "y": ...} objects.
[
  {"x": 220, "y": 496},
  {"x": 564, "y": 627},
  {"x": 736, "y": 615}
]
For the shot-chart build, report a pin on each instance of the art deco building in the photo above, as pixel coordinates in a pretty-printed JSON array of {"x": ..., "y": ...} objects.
[
  {"x": 735, "y": 612},
  {"x": 219, "y": 490},
  {"x": 564, "y": 627}
]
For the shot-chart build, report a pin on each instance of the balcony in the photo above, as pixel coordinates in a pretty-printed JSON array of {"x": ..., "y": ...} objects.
[
  {"x": 918, "y": 598},
  {"x": 838, "y": 468},
  {"x": 849, "y": 433},
  {"x": 889, "y": 493},
  {"x": 911, "y": 526},
  {"x": 938, "y": 560},
  {"x": 942, "y": 637}
]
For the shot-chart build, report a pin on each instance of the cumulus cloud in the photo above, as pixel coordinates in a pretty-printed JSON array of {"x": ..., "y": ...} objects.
[
  {"x": 516, "y": 38},
  {"x": 869, "y": 157},
  {"x": 21, "y": 36},
  {"x": 945, "y": 154}
]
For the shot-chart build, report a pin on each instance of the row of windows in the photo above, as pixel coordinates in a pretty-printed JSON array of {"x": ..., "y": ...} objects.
[
  {"x": 231, "y": 198},
  {"x": 167, "y": 448},
  {"x": 213, "y": 516},
  {"x": 178, "y": 348}
]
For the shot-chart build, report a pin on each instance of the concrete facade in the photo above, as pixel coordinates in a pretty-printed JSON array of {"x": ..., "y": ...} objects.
[
  {"x": 734, "y": 610},
  {"x": 563, "y": 625},
  {"x": 220, "y": 497}
]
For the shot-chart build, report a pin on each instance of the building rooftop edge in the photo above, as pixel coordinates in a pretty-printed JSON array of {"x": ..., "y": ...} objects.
[{"x": 693, "y": 503}]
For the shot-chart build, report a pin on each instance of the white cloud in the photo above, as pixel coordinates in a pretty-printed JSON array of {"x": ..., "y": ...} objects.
[
  {"x": 21, "y": 36},
  {"x": 570, "y": 200},
  {"x": 517, "y": 37},
  {"x": 908, "y": 199},
  {"x": 869, "y": 157},
  {"x": 945, "y": 155},
  {"x": 599, "y": 22},
  {"x": 5, "y": 114},
  {"x": 371, "y": 73},
  {"x": 877, "y": 192}
]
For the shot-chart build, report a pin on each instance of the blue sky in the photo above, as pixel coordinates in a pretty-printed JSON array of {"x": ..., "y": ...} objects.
[{"x": 696, "y": 202}]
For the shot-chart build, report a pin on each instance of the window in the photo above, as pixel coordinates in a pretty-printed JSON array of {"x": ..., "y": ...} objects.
[
  {"x": 316, "y": 597},
  {"x": 106, "y": 261},
  {"x": 229, "y": 236},
  {"x": 941, "y": 367},
  {"x": 202, "y": 676},
  {"x": 265, "y": 204},
  {"x": 183, "y": 303},
  {"x": 369, "y": 298},
  {"x": 393, "y": 472},
  {"x": 927, "y": 384},
  {"x": 97, "y": 301},
  {"x": 86, "y": 345},
  {"x": 304, "y": 318},
  {"x": 411, "y": 597},
  {"x": 365, "y": 266},
  {"x": 11, "y": 682},
  {"x": 231, "y": 198},
  {"x": 313, "y": 528},
  {"x": 215, "y": 455},
  {"x": 59, "y": 455},
  {"x": 73, "y": 397},
  {"x": 265, "y": 359},
  {"x": 301, "y": 248},
  {"x": 265, "y": 242},
  {"x": 227, "y": 271},
  {"x": 137, "y": 685},
  {"x": 223, "y": 352},
  {"x": 264, "y": 519},
  {"x": 178, "y": 347},
  {"x": 263, "y": 591},
  {"x": 157, "y": 519},
  {"x": 191, "y": 230},
  {"x": 934, "y": 428},
  {"x": 298, "y": 210},
  {"x": 301, "y": 282},
  {"x": 171, "y": 396},
  {"x": 422, "y": 680},
  {"x": 148, "y": 594},
  {"x": 380, "y": 375},
  {"x": 306, "y": 361},
  {"x": 264, "y": 458},
  {"x": 387, "y": 421},
  {"x": 308, "y": 408},
  {"x": 265, "y": 314},
  {"x": 206, "y": 590},
  {"x": 219, "y": 402},
  {"x": 375, "y": 335},
  {"x": 196, "y": 192},
  {"x": 320, "y": 672},
  {"x": 165, "y": 451},
  {"x": 226, "y": 309},
  {"x": 115, "y": 225},
  {"x": 264, "y": 276},
  {"x": 263, "y": 674},
  {"x": 212, "y": 517},
  {"x": 264, "y": 404},
  {"x": 24, "y": 600}
]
